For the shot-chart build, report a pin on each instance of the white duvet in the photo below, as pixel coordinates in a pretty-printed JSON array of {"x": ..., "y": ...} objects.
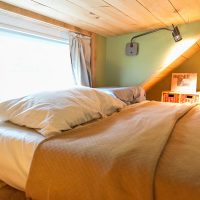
[{"x": 17, "y": 146}]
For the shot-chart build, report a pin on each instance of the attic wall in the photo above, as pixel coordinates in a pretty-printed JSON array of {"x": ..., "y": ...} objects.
[
  {"x": 191, "y": 65},
  {"x": 156, "y": 51}
]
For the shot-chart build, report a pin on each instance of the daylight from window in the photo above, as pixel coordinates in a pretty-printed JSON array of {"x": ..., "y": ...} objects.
[{"x": 30, "y": 64}]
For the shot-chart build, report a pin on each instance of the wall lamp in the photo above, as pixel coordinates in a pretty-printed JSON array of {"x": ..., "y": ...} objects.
[{"x": 132, "y": 47}]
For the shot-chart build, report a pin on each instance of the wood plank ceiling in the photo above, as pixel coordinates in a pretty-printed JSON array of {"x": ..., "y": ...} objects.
[{"x": 115, "y": 17}]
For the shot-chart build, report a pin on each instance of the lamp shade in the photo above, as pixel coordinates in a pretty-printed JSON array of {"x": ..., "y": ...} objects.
[{"x": 176, "y": 34}]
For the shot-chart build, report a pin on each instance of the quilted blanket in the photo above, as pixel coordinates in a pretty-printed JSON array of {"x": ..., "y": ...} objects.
[{"x": 144, "y": 152}]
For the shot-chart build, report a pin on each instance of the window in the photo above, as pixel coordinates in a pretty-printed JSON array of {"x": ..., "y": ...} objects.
[{"x": 30, "y": 64}]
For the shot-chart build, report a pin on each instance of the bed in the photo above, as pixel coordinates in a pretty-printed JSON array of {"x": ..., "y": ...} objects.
[
  {"x": 17, "y": 148},
  {"x": 149, "y": 150}
]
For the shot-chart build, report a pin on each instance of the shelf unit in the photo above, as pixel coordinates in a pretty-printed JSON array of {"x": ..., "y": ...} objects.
[{"x": 178, "y": 97}]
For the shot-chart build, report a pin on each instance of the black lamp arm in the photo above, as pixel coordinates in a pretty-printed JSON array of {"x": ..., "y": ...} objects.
[{"x": 146, "y": 33}]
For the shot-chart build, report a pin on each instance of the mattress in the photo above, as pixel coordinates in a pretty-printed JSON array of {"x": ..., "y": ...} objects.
[{"x": 17, "y": 146}]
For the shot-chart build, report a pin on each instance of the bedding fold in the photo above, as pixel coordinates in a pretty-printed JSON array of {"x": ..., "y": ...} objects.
[
  {"x": 178, "y": 174},
  {"x": 17, "y": 146},
  {"x": 112, "y": 159}
]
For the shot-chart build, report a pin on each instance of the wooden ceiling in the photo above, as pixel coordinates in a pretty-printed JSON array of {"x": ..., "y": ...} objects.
[{"x": 115, "y": 17}]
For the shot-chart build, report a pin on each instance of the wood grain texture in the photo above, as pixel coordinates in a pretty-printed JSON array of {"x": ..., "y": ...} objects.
[
  {"x": 188, "y": 9},
  {"x": 112, "y": 17},
  {"x": 163, "y": 10},
  {"x": 138, "y": 12},
  {"x": 34, "y": 15}
]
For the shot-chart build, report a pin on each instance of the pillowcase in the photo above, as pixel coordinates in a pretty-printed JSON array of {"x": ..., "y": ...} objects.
[
  {"x": 53, "y": 112},
  {"x": 129, "y": 95}
]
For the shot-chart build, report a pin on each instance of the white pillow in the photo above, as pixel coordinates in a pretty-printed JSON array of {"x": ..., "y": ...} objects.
[
  {"x": 128, "y": 95},
  {"x": 53, "y": 112}
]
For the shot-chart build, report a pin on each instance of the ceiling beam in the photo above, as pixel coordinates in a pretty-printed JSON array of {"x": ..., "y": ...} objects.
[{"x": 34, "y": 15}]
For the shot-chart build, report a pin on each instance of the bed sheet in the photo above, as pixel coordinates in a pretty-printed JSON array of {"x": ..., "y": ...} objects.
[{"x": 17, "y": 146}]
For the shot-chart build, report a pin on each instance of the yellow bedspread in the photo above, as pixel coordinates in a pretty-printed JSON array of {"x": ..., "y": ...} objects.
[
  {"x": 178, "y": 173},
  {"x": 122, "y": 157}
]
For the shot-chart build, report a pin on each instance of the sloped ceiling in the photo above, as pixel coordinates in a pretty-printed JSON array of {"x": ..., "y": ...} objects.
[
  {"x": 114, "y": 17},
  {"x": 177, "y": 62}
]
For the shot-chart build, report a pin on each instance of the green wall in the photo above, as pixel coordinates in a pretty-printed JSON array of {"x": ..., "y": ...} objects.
[
  {"x": 191, "y": 65},
  {"x": 154, "y": 52}
]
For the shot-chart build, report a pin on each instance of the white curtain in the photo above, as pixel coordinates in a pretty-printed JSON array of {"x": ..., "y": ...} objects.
[{"x": 80, "y": 53}]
